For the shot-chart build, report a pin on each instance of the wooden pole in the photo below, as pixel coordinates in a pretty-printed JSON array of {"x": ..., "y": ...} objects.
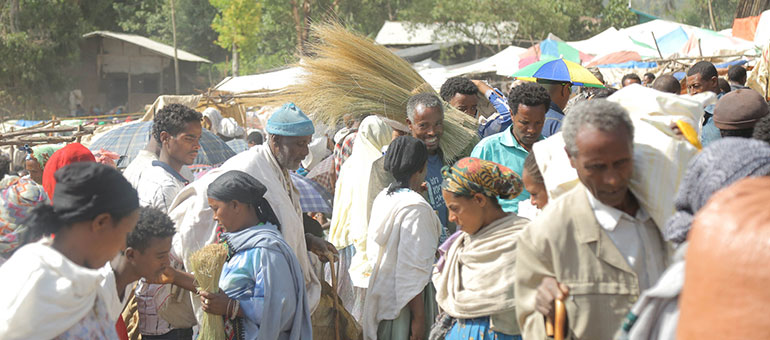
[
  {"x": 176, "y": 59},
  {"x": 656, "y": 45},
  {"x": 711, "y": 16},
  {"x": 700, "y": 50}
]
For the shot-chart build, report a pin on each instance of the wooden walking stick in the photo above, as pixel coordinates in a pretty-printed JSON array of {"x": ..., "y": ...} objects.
[
  {"x": 331, "y": 259},
  {"x": 555, "y": 328}
]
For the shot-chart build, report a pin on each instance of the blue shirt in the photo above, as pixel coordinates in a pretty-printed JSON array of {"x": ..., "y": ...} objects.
[
  {"x": 552, "y": 123},
  {"x": 503, "y": 119},
  {"x": 433, "y": 179},
  {"x": 709, "y": 132},
  {"x": 504, "y": 149}
]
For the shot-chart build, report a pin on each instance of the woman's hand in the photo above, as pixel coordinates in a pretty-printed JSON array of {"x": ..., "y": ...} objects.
[{"x": 215, "y": 303}]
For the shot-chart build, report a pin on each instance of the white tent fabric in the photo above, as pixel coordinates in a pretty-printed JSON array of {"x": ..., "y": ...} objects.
[
  {"x": 261, "y": 82},
  {"x": 610, "y": 41},
  {"x": 504, "y": 63}
]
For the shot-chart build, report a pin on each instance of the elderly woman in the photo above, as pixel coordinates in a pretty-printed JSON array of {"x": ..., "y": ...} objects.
[
  {"x": 474, "y": 282},
  {"x": 57, "y": 288},
  {"x": 262, "y": 288},
  {"x": 37, "y": 157},
  {"x": 401, "y": 243}
]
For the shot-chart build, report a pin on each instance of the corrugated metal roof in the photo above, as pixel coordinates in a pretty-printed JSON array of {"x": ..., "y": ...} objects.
[{"x": 149, "y": 44}]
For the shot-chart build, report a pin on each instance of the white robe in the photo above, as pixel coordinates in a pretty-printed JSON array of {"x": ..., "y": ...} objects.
[
  {"x": 44, "y": 294},
  {"x": 402, "y": 238},
  {"x": 194, "y": 218}
]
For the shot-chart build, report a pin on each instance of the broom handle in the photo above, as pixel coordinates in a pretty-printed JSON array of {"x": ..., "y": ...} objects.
[{"x": 330, "y": 257}]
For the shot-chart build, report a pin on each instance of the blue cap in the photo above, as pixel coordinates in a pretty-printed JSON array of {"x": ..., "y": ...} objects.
[{"x": 289, "y": 120}]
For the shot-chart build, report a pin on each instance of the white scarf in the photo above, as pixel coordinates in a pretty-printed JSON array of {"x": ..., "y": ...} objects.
[
  {"x": 478, "y": 276},
  {"x": 44, "y": 294},
  {"x": 195, "y": 220}
]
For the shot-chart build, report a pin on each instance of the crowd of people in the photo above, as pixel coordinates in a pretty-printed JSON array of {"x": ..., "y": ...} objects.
[{"x": 420, "y": 246}]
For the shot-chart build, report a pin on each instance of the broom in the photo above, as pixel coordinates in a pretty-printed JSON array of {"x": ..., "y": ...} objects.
[
  {"x": 350, "y": 74},
  {"x": 206, "y": 265}
]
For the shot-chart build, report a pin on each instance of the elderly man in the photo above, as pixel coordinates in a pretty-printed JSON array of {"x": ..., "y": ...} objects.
[
  {"x": 594, "y": 248},
  {"x": 737, "y": 112},
  {"x": 529, "y": 103},
  {"x": 289, "y": 132},
  {"x": 703, "y": 77},
  {"x": 425, "y": 119}
]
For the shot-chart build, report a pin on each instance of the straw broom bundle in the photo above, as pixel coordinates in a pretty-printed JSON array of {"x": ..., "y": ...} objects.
[
  {"x": 206, "y": 265},
  {"x": 350, "y": 74}
]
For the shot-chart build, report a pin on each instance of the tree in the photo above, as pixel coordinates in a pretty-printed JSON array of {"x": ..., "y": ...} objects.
[{"x": 236, "y": 24}]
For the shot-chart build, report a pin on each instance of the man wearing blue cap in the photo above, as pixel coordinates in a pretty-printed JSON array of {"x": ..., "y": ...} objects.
[{"x": 289, "y": 132}]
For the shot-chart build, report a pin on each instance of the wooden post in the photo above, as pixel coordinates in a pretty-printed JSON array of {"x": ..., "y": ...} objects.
[
  {"x": 128, "y": 103},
  {"x": 160, "y": 85},
  {"x": 656, "y": 45},
  {"x": 176, "y": 59},
  {"x": 700, "y": 50}
]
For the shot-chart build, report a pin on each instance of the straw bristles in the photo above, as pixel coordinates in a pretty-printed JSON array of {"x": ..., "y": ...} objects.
[
  {"x": 350, "y": 74},
  {"x": 206, "y": 265}
]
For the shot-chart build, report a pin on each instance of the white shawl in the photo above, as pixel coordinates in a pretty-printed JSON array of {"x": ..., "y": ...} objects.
[
  {"x": 44, "y": 294},
  {"x": 478, "y": 276},
  {"x": 195, "y": 220},
  {"x": 402, "y": 240}
]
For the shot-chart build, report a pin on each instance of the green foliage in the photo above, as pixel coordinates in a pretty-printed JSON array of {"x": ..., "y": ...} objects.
[
  {"x": 237, "y": 22},
  {"x": 696, "y": 13}
]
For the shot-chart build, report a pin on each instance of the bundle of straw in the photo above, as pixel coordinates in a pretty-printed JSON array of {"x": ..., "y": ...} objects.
[
  {"x": 350, "y": 74},
  {"x": 206, "y": 265}
]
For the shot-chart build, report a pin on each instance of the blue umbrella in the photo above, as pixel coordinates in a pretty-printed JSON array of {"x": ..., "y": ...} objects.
[{"x": 128, "y": 140}]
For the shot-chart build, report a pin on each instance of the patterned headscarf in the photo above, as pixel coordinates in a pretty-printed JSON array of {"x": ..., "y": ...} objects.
[
  {"x": 18, "y": 197},
  {"x": 473, "y": 175},
  {"x": 41, "y": 153}
]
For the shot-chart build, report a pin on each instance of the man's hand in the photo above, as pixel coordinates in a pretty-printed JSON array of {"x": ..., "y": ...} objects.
[
  {"x": 166, "y": 277},
  {"x": 320, "y": 247},
  {"x": 548, "y": 291},
  {"x": 417, "y": 327}
]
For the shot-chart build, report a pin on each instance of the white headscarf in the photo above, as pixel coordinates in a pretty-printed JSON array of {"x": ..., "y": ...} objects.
[{"x": 227, "y": 127}]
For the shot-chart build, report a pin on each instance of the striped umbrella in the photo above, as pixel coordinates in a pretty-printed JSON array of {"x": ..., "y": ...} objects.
[
  {"x": 312, "y": 196},
  {"x": 558, "y": 70},
  {"x": 128, "y": 140}
]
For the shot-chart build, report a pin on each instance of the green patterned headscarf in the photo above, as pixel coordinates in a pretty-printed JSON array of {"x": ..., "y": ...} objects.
[
  {"x": 43, "y": 152},
  {"x": 473, "y": 175}
]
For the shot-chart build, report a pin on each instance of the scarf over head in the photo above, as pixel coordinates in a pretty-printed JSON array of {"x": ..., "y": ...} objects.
[
  {"x": 72, "y": 153},
  {"x": 236, "y": 185},
  {"x": 42, "y": 153},
  {"x": 17, "y": 199},
  {"x": 473, "y": 175},
  {"x": 477, "y": 279},
  {"x": 717, "y": 166},
  {"x": 406, "y": 156}
]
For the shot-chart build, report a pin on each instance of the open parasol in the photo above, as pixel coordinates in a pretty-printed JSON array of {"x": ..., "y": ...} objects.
[{"x": 560, "y": 70}]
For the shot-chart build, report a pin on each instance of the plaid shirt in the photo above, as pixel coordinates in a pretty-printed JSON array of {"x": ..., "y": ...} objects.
[{"x": 342, "y": 151}]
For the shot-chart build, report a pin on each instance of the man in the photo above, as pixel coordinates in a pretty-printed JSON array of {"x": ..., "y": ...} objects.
[
  {"x": 594, "y": 248},
  {"x": 177, "y": 130},
  {"x": 425, "y": 119},
  {"x": 737, "y": 112},
  {"x": 500, "y": 120},
  {"x": 529, "y": 103},
  {"x": 254, "y": 138},
  {"x": 630, "y": 78},
  {"x": 289, "y": 133},
  {"x": 667, "y": 83},
  {"x": 649, "y": 78},
  {"x": 736, "y": 76},
  {"x": 144, "y": 160},
  {"x": 460, "y": 92},
  {"x": 703, "y": 77},
  {"x": 559, "y": 93}
]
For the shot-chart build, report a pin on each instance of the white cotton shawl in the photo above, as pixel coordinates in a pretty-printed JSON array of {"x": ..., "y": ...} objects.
[
  {"x": 194, "y": 218},
  {"x": 44, "y": 294},
  {"x": 478, "y": 276},
  {"x": 402, "y": 241},
  {"x": 352, "y": 205}
]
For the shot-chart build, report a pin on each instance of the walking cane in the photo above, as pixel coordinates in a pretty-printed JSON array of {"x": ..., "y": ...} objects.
[
  {"x": 330, "y": 257},
  {"x": 555, "y": 328}
]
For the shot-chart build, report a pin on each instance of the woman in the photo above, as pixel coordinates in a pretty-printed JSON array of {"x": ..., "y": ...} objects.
[
  {"x": 57, "y": 287},
  {"x": 72, "y": 153},
  {"x": 534, "y": 184},
  {"x": 475, "y": 283},
  {"x": 401, "y": 243},
  {"x": 18, "y": 196},
  {"x": 37, "y": 157},
  {"x": 263, "y": 290}
]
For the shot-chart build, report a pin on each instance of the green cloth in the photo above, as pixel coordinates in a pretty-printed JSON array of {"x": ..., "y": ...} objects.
[
  {"x": 504, "y": 149},
  {"x": 400, "y": 327},
  {"x": 43, "y": 152}
]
